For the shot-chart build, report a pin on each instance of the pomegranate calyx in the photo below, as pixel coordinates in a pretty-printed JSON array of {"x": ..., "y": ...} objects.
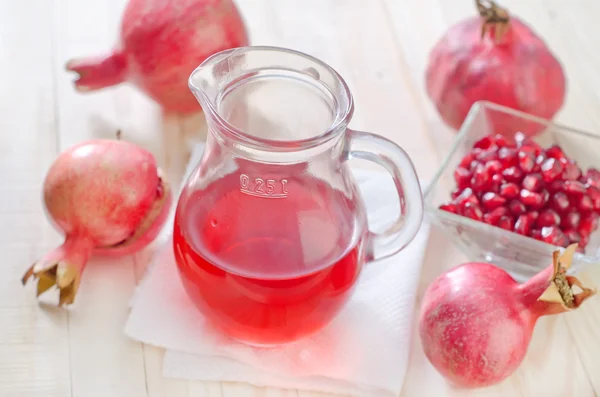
[
  {"x": 495, "y": 19},
  {"x": 61, "y": 267},
  {"x": 584, "y": 294},
  {"x": 154, "y": 212},
  {"x": 61, "y": 274},
  {"x": 560, "y": 289}
]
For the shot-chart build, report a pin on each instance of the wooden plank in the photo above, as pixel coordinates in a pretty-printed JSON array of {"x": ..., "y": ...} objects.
[
  {"x": 417, "y": 26},
  {"x": 239, "y": 390},
  {"x": 34, "y": 345},
  {"x": 583, "y": 326}
]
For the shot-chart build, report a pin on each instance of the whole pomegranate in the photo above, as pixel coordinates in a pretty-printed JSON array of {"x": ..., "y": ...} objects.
[
  {"x": 476, "y": 321},
  {"x": 161, "y": 44},
  {"x": 108, "y": 198},
  {"x": 497, "y": 58}
]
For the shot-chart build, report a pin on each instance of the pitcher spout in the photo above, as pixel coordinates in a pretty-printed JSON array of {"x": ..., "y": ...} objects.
[{"x": 208, "y": 79}]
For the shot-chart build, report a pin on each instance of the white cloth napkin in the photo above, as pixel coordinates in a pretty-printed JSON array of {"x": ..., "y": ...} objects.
[{"x": 363, "y": 352}]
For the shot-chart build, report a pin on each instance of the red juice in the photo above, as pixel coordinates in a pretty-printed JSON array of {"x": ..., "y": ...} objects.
[{"x": 268, "y": 261}]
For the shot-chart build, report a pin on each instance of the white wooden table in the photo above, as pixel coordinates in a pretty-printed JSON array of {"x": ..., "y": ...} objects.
[{"x": 379, "y": 46}]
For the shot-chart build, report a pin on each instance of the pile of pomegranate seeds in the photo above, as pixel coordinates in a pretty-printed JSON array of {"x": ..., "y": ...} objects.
[{"x": 528, "y": 190}]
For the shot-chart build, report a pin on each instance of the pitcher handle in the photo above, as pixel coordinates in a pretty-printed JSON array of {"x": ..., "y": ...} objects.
[{"x": 371, "y": 147}]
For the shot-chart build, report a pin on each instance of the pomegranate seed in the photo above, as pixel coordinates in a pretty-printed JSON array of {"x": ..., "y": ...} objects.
[
  {"x": 536, "y": 234},
  {"x": 455, "y": 193},
  {"x": 484, "y": 143},
  {"x": 462, "y": 176},
  {"x": 570, "y": 220},
  {"x": 595, "y": 196},
  {"x": 493, "y": 217},
  {"x": 583, "y": 241},
  {"x": 572, "y": 235},
  {"x": 508, "y": 157},
  {"x": 564, "y": 161},
  {"x": 540, "y": 159},
  {"x": 513, "y": 174},
  {"x": 556, "y": 186},
  {"x": 489, "y": 155},
  {"x": 467, "y": 160},
  {"x": 551, "y": 169},
  {"x": 500, "y": 140},
  {"x": 533, "y": 215},
  {"x": 516, "y": 207},
  {"x": 545, "y": 196},
  {"x": 479, "y": 153},
  {"x": 519, "y": 138},
  {"x": 523, "y": 225},
  {"x": 494, "y": 166},
  {"x": 467, "y": 196},
  {"x": 592, "y": 178},
  {"x": 560, "y": 202},
  {"x": 526, "y": 160},
  {"x": 563, "y": 240},
  {"x": 500, "y": 211},
  {"x": 533, "y": 182},
  {"x": 473, "y": 211},
  {"x": 531, "y": 146},
  {"x": 585, "y": 203},
  {"x": 527, "y": 148},
  {"x": 492, "y": 200},
  {"x": 481, "y": 179},
  {"x": 450, "y": 208},
  {"x": 506, "y": 223},
  {"x": 552, "y": 235},
  {"x": 571, "y": 172},
  {"x": 555, "y": 152},
  {"x": 574, "y": 187},
  {"x": 588, "y": 224},
  {"x": 473, "y": 165},
  {"x": 531, "y": 199},
  {"x": 509, "y": 190},
  {"x": 497, "y": 181},
  {"x": 548, "y": 217},
  {"x": 487, "y": 218}
]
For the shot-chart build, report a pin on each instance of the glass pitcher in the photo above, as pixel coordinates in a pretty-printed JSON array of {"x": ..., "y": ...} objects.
[{"x": 270, "y": 231}]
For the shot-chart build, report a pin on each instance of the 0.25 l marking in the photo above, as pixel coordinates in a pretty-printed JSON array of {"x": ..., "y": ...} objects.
[{"x": 259, "y": 187}]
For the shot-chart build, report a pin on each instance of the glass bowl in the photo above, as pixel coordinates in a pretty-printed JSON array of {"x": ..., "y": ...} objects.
[{"x": 521, "y": 256}]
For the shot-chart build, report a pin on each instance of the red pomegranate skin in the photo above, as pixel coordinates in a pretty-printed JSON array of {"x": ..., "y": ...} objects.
[
  {"x": 476, "y": 322},
  {"x": 161, "y": 43},
  {"x": 517, "y": 71}
]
